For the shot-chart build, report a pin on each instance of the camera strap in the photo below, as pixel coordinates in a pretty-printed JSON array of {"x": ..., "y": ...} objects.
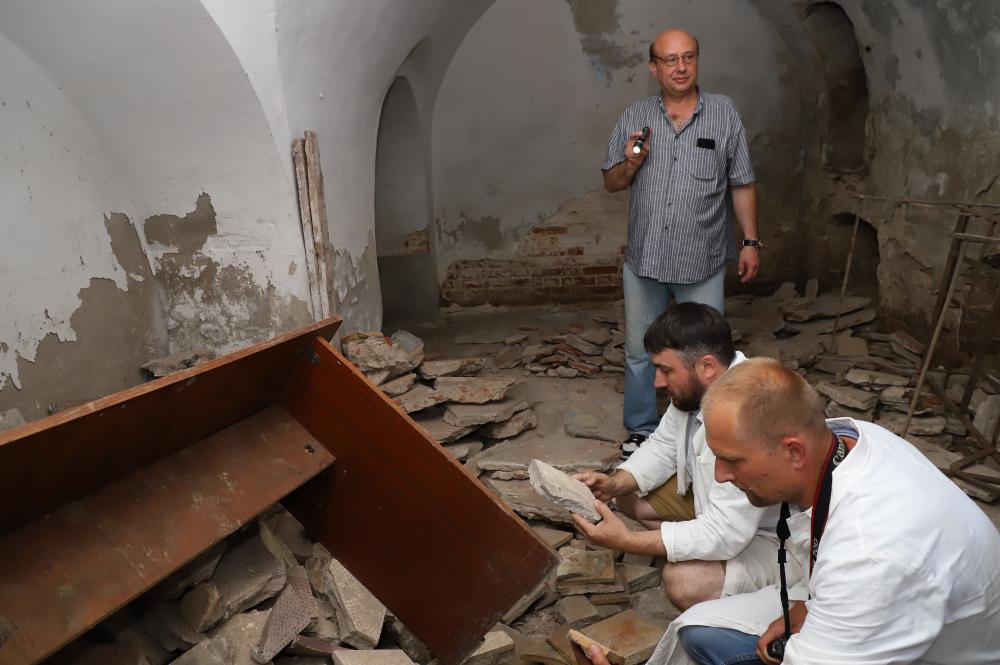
[{"x": 821, "y": 511}]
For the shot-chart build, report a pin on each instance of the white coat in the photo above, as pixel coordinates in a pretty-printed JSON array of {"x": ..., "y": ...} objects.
[{"x": 908, "y": 570}]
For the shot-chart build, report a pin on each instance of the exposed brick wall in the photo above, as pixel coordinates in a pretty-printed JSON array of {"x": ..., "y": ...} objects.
[{"x": 571, "y": 257}]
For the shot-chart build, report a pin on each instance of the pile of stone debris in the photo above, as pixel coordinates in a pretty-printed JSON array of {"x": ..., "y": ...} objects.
[{"x": 863, "y": 372}]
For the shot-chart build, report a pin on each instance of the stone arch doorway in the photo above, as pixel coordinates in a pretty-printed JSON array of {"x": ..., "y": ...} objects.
[
  {"x": 843, "y": 101},
  {"x": 403, "y": 237}
]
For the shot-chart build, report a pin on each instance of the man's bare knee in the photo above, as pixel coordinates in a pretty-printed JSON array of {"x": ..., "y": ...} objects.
[{"x": 691, "y": 582}]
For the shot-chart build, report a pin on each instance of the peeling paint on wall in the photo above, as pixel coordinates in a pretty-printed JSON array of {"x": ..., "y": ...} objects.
[{"x": 597, "y": 22}]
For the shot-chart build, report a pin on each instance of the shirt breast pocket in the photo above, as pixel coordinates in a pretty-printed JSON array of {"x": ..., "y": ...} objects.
[{"x": 702, "y": 163}]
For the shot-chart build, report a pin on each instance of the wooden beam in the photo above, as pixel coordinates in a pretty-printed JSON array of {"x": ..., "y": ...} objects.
[
  {"x": 305, "y": 221},
  {"x": 317, "y": 211}
]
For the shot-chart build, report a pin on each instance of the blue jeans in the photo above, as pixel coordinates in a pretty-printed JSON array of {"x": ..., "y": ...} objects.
[
  {"x": 645, "y": 299},
  {"x": 719, "y": 646}
]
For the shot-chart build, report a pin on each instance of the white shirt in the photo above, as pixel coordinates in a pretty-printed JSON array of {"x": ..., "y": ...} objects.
[
  {"x": 908, "y": 568},
  {"x": 725, "y": 521}
]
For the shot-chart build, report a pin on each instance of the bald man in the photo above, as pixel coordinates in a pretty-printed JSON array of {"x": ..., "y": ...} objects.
[
  {"x": 691, "y": 176},
  {"x": 905, "y": 568}
]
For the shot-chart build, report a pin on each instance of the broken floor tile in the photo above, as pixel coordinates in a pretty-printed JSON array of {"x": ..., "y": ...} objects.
[
  {"x": 418, "y": 398},
  {"x": 583, "y": 566},
  {"x": 291, "y": 614},
  {"x": 432, "y": 369},
  {"x": 399, "y": 385},
  {"x": 919, "y": 426},
  {"x": 508, "y": 358},
  {"x": 461, "y": 451},
  {"x": 596, "y": 335},
  {"x": 464, "y": 415},
  {"x": 195, "y": 572},
  {"x": 512, "y": 340},
  {"x": 807, "y": 309},
  {"x": 554, "y": 538},
  {"x": 586, "y": 644},
  {"x": 588, "y": 588},
  {"x": 289, "y": 531},
  {"x": 563, "y": 372},
  {"x": 373, "y": 352},
  {"x": 848, "y": 346},
  {"x": 583, "y": 346},
  {"x": 164, "y": 622},
  {"x": 377, "y": 376},
  {"x": 214, "y": 651},
  {"x": 907, "y": 342},
  {"x": 566, "y": 453},
  {"x": 495, "y": 646},
  {"x": 202, "y": 606},
  {"x": 359, "y": 614},
  {"x": 243, "y": 632},
  {"x": 833, "y": 366},
  {"x": 248, "y": 575},
  {"x": 310, "y": 646},
  {"x": 616, "y": 598},
  {"x": 533, "y": 352},
  {"x": 629, "y": 635},
  {"x": 527, "y": 503},
  {"x": 638, "y": 559},
  {"x": 613, "y": 355},
  {"x": 600, "y": 427},
  {"x": 544, "y": 586},
  {"x": 638, "y": 577},
  {"x": 835, "y": 410},
  {"x": 849, "y": 397},
  {"x": 411, "y": 645},
  {"x": 469, "y": 390},
  {"x": 521, "y": 421},
  {"x": 563, "y": 490},
  {"x": 867, "y": 377},
  {"x": 431, "y": 421},
  {"x": 818, "y": 326},
  {"x": 577, "y": 611},
  {"x": 537, "y": 650},
  {"x": 559, "y": 640},
  {"x": 988, "y": 416}
]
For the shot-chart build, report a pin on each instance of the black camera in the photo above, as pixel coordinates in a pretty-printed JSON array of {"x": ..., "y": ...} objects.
[{"x": 776, "y": 649}]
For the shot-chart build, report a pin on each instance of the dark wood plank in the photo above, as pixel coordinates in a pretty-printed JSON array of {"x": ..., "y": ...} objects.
[
  {"x": 61, "y": 575},
  {"x": 438, "y": 549},
  {"x": 51, "y": 462}
]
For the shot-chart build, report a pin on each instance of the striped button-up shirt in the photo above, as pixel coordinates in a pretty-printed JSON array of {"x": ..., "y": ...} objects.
[{"x": 680, "y": 210}]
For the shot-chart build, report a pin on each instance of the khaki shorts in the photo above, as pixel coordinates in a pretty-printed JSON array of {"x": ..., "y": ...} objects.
[{"x": 669, "y": 505}]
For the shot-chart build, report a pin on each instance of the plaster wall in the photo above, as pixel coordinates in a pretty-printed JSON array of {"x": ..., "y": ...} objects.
[{"x": 522, "y": 120}]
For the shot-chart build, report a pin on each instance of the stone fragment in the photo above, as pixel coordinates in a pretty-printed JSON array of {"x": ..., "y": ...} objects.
[
  {"x": 582, "y": 566},
  {"x": 316, "y": 566},
  {"x": 247, "y": 575},
  {"x": 461, "y": 451},
  {"x": 638, "y": 577},
  {"x": 807, "y": 309},
  {"x": 588, "y": 588},
  {"x": 466, "y": 415},
  {"x": 559, "y": 640},
  {"x": 213, "y": 651},
  {"x": 310, "y": 646},
  {"x": 614, "y": 355},
  {"x": 849, "y": 397},
  {"x": 202, "y": 606},
  {"x": 563, "y": 490},
  {"x": 812, "y": 288},
  {"x": 243, "y": 633},
  {"x": 123, "y": 628},
  {"x": 846, "y": 345},
  {"x": 943, "y": 459},
  {"x": 803, "y": 348},
  {"x": 496, "y": 645},
  {"x": 411, "y": 645},
  {"x": 177, "y": 362},
  {"x": 904, "y": 354},
  {"x": 554, "y": 538},
  {"x": 617, "y": 598},
  {"x": 526, "y": 502},
  {"x": 195, "y": 572},
  {"x": 288, "y": 530},
  {"x": 596, "y": 335},
  {"x": 787, "y": 291},
  {"x": 638, "y": 559},
  {"x": 10, "y": 419},
  {"x": 826, "y": 325},
  {"x": 537, "y": 650},
  {"x": 867, "y": 377},
  {"x": 508, "y": 358},
  {"x": 533, "y": 352},
  {"x": 584, "y": 368},
  {"x": 988, "y": 416},
  {"x": 419, "y": 397},
  {"x": 617, "y": 338},
  {"x": 512, "y": 340},
  {"x": 613, "y": 369},
  {"x": 542, "y": 588},
  {"x": 907, "y": 342},
  {"x": 359, "y": 614},
  {"x": 629, "y": 635},
  {"x": 431, "y": 421},
  {"x": 377, "y": 376},
  {"x": 919, "y": 426},
  {"x": 291, "y": 614},
  {"x": 577, "y": 611},
  {"x": 433, "y": 369},
  {"x": 399, "y": 385},
  {"x": 834, "y": 410},
  {"x": 583, "y": 346},
  {"x": 563, "y": 372},
  {"x": 467, "y": 390},
  {"x": 566, "y": 453},
  {"x": 955, "y": 426},
  {"x": 833, "y": 366},
  {"x": 653, "y": 604},
  {"x": 373, "y": 352},
  {"x": 519, "y": 422},
  {"x": 164, "y": 622},
  {"x": 599, "y": 426},
  {"x": 585, "y": 644}
]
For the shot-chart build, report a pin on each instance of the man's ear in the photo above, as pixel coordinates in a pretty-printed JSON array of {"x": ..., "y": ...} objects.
[
  {"x": 708, "y": 368},
  {"x": 795, "y": 448}
]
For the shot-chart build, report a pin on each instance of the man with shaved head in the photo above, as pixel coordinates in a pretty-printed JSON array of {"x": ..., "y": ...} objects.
[
  {"x": 904, "y": 567},
  {"x": 690, "y": 177}
]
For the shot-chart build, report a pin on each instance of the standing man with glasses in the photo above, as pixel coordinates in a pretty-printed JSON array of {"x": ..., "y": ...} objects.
[{"x": 689, "y": 178}]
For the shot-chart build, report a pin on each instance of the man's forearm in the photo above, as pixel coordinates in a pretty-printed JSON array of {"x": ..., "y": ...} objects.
[
  {"x": 623, "y": 482},
  {"x": 745, "y": 208},
  {"x": 619, "y": 176}
]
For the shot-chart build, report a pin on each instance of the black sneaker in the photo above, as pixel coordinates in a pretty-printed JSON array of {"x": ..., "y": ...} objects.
[{"x": 631, "y": 444}]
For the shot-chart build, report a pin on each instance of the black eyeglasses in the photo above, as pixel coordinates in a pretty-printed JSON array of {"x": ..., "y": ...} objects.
[{"x": 672, "y": 59}]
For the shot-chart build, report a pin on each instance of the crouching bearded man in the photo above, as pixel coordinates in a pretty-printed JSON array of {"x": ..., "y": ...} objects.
[{"x": 716, "y": 543}]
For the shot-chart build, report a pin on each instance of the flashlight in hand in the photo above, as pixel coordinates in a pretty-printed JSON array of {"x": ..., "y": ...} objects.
[{"x": 639, "y": 142}]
